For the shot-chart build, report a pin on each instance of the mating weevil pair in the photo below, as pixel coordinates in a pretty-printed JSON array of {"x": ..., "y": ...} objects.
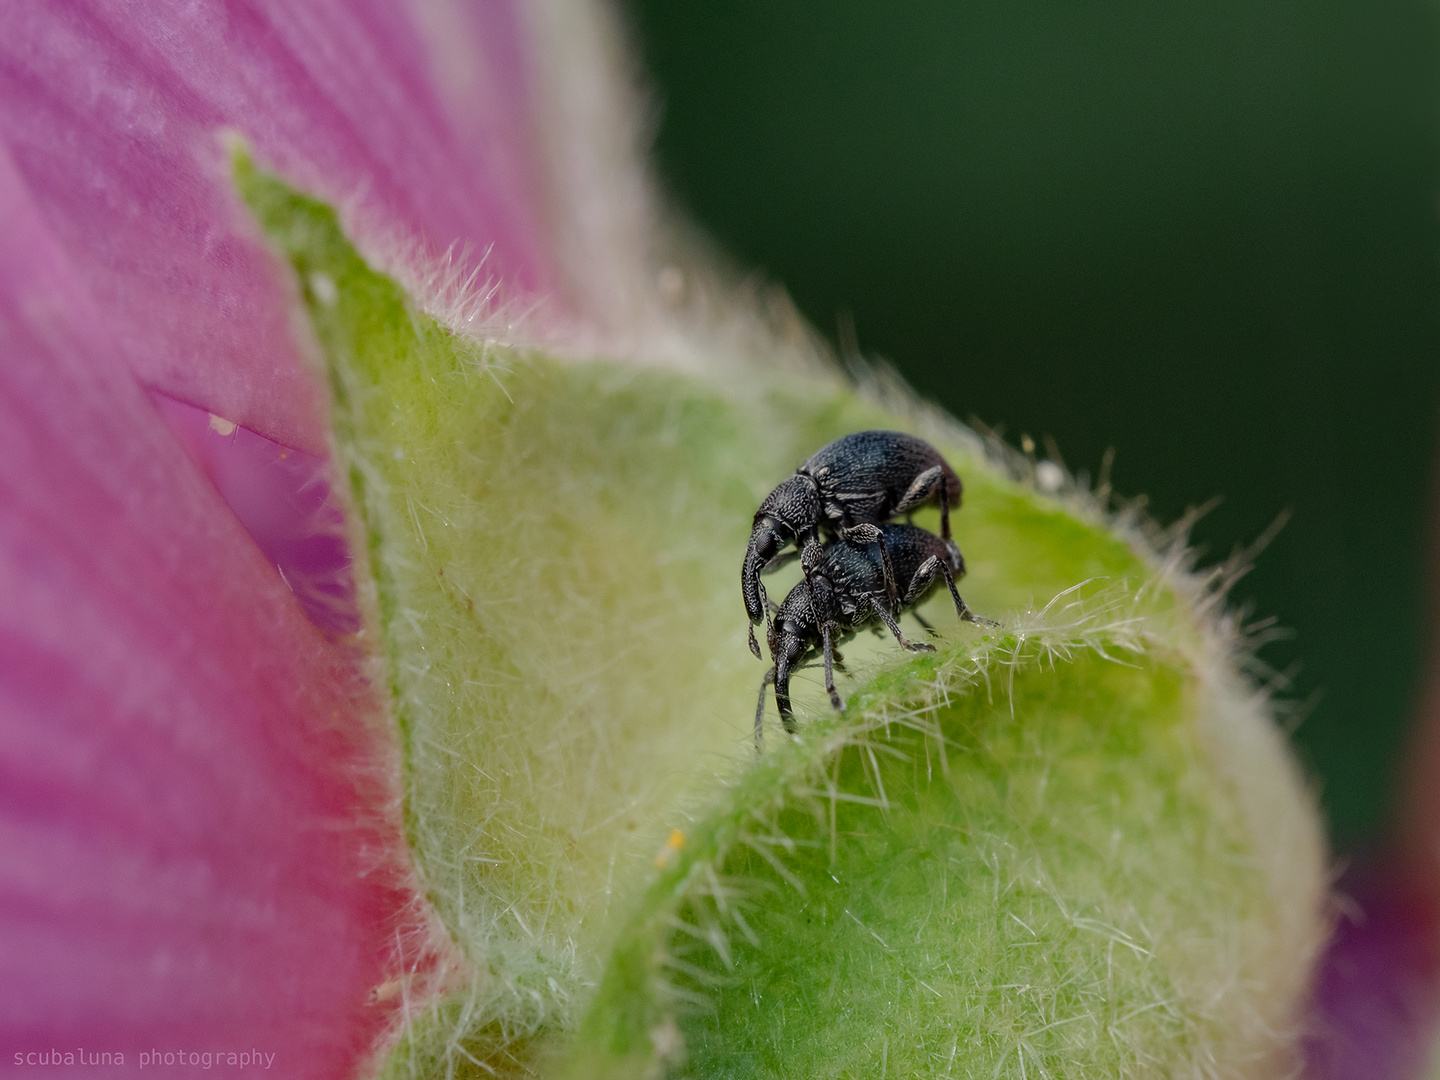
[{"x": 868, "y": 569}]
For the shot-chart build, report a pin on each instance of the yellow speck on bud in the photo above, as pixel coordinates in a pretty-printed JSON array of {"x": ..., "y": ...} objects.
[
  {"x": 221, "y": 426},
  {"x": 673, "y": 843}
]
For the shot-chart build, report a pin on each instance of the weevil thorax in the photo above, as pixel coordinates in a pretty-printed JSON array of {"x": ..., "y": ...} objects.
[
  {"x": 853, "y": 572},
  {"x": 792, "y": 509}
]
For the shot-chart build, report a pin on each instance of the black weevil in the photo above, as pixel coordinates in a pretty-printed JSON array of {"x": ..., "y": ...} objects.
[
  {"x": 844, "y": 590},
  {"x": 846, "y": 488}
]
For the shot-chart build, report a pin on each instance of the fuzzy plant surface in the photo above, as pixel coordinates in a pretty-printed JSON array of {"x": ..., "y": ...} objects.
[{"x": 1068, "y": 843}]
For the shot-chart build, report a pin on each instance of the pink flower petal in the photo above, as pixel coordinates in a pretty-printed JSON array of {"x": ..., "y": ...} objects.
[
  {"x": 1377, "y": 988},
  {"x": 199, "y": 838},
  {"x": 198, "y": 848},
  {"x": 113, "y": 112}
]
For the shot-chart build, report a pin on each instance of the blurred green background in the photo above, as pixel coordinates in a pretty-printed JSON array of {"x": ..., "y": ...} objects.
[{"x": 1204, "y": 234}]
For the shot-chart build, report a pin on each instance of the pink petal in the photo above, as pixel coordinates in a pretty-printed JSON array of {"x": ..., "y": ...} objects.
[
  {"x": 1377, "y": 990},
  {"x": 198, "y": 848},
  {"x": 199, "y": 839},
  {"x": 112, "y": 111}
]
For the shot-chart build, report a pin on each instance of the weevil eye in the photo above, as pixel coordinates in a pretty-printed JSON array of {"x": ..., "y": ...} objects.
[{"x": 766, "y": 542}]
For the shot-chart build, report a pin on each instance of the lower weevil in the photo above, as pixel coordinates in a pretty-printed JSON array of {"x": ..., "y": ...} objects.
[{"x": 845, "y": 589}]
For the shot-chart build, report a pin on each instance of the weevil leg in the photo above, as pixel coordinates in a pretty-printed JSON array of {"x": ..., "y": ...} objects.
[
  {"x": 812, "y": 553},
  {"x": 782, "y": 695},
  {"x": 926, "y": 624},
  {"x": 760, "y": 710},
  {"x": 769, "y": 610},
  {"x": 892, "y": 587},
  {"x": 924, "y": 575},
  {"x": 894, "y": 628},
  {"x": 861, "y": 535},
  {"x": 944, "y": 510},
  {"x": 916, "y": 586},
  {"x": 830, "y": 667},
  {"x": 921, "y": 489}
]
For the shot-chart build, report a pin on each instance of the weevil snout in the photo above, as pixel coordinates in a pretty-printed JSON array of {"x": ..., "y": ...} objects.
[
  {"x": 767, "y": 536},
  {"x": 765, "y": 541}
]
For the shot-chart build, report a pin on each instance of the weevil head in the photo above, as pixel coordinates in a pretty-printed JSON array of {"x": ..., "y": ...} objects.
[
  {"x": 792, "y": 627},
  {"x": 786, "y": 645},
  {"x": 780, "y": 519},
  {"x": 788, "y": 513}
]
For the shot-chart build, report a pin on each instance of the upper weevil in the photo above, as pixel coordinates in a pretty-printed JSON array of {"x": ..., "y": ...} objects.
[{"x": 846, "y": 488}]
